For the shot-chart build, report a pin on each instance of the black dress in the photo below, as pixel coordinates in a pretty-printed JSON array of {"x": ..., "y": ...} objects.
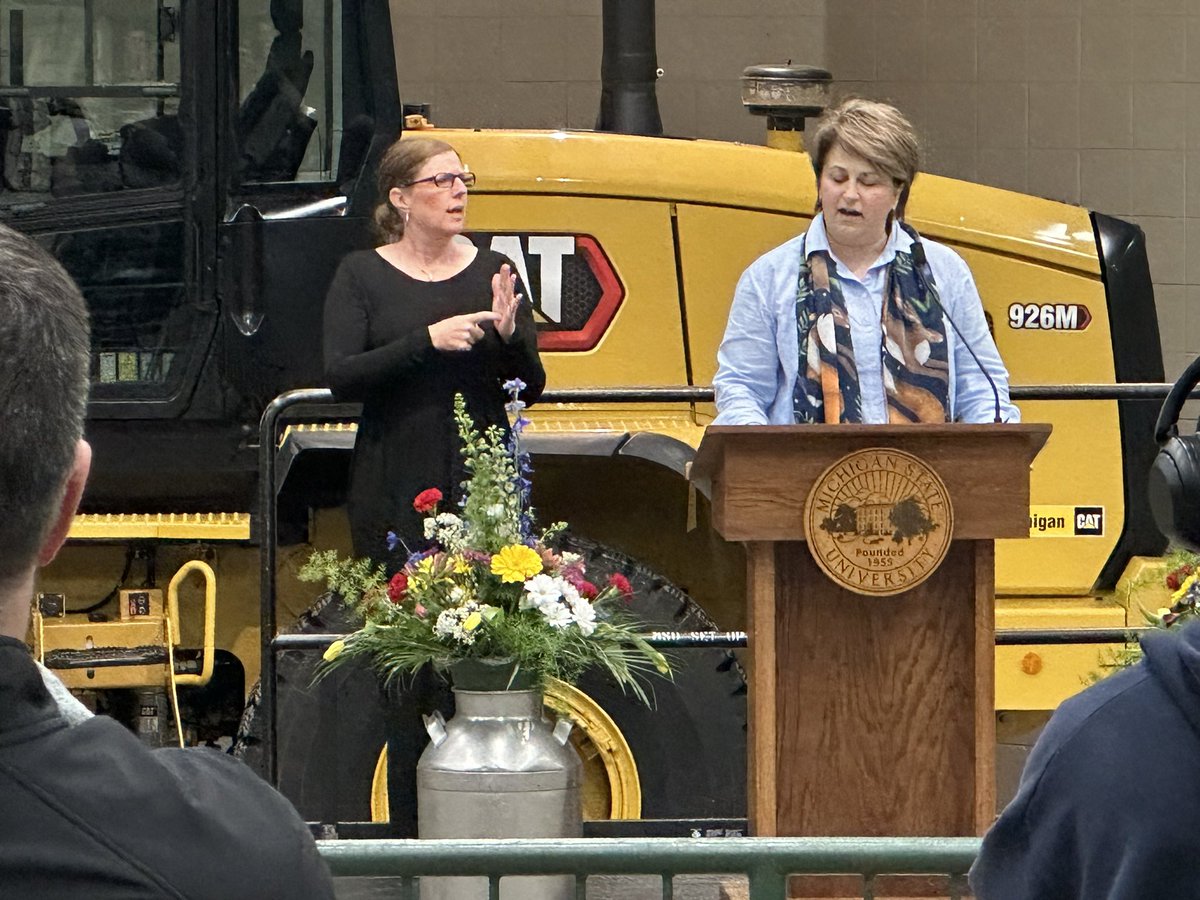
[{"x": 378, "y": 352}]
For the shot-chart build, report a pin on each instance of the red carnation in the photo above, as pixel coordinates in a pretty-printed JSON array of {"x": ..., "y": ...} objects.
[
  {"x": 573, "y": 575},
  {"x": 398, "y": 587},
  {"x": 1178, "y": 576},
  {"x": 427, "y": 500},
  {"x": 621, "y": 583}
]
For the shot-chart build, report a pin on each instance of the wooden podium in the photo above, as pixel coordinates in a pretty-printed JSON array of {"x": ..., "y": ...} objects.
[{"x": 869, "y": 715}]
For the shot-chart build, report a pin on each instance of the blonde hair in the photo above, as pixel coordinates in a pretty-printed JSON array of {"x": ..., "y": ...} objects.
[
  {"x": 400, "y": 165},
  {"x": 878, "y": 132}
]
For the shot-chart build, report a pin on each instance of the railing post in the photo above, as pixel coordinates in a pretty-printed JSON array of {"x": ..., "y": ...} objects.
[
  {"x": 267, "y": 553},
  {"x": 767, "y": 882}
]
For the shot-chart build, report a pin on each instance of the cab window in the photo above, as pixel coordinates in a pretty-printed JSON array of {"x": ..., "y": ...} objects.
[
  {"x": 288, "y": 121},
  {"x": 143, "y": 330},
  {"x": 89, "y": 97}
]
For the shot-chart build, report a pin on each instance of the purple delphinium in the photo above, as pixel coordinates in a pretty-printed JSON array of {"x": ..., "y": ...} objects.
[{"x": 521, "y": 464}]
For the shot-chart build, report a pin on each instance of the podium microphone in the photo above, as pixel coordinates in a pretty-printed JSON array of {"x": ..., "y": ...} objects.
[{"x": 919, "y": 263}]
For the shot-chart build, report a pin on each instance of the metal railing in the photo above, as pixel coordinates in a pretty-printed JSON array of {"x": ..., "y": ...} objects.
[
  {"x": 267, "y": 525},
  {"x": 697, "y": 394},
  {"x": 267, "y": 534},
  {"x": 766, "y": 863},
  {"x": 736, "y": 640}
]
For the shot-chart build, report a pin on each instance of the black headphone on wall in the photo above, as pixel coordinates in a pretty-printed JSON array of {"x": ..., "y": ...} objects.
[{"x": 1173, "y": 487}]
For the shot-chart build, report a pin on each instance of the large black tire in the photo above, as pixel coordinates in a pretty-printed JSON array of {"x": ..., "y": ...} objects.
[
  {"x": 690, "y": 748},
  {"x": 328, "y": 735}
]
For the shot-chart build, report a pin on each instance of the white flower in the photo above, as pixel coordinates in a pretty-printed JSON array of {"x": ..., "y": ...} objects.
[
  {"x": 448, "y": 530},
  {"x": 450, "y": 622},
  {"x": 540, "y": 591},
  {"x": 568, "y": 557},
  {"x": 583, "y": 614},
  {"x": 457, "y": 594},
  {"x": 557, "y": 615},
  {"x": 495, "y": 511},
  {"x": 569, "y": 592}
]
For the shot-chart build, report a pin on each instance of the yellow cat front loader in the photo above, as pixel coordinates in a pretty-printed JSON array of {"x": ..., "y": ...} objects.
[{"x": 201, "y": 168}]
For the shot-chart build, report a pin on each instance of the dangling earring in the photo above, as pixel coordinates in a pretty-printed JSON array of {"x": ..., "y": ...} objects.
[{"x": 404, "y": 216}]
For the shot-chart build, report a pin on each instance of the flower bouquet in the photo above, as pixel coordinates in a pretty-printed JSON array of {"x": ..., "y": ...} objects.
[
  {"x": 489, "y": 592},
  {"x": 1182, "y": 579}
]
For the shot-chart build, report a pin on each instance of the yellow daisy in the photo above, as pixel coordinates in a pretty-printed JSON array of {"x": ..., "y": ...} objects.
[
  {"x": 516, "y": 563},
  {"x": 1184, "y": 588}
]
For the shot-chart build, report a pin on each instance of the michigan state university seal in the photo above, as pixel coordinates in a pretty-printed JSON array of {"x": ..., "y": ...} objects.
[{"x": 878, "y": 521}]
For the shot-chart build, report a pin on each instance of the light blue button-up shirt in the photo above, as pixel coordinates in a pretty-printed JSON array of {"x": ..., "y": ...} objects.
[{"x": 758, "y": 361}]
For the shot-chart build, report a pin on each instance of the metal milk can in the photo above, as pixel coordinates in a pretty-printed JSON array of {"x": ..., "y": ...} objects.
[{"x": 498, "y": 769}]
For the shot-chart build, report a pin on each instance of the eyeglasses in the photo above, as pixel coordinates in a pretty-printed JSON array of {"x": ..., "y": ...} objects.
[{"x": 446, "y": 179}]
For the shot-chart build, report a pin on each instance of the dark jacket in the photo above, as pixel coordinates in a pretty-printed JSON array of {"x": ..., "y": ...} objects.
[
  {"x": 89, "y": 811},
  {"x": 1109, "y": 801}
]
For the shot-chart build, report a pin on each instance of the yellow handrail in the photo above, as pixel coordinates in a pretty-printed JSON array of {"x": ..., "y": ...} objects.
[{"x": 210, "y": 615}]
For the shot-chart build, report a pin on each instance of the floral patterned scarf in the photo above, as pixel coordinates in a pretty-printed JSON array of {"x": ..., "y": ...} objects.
[{"x": 915, "y": 359}]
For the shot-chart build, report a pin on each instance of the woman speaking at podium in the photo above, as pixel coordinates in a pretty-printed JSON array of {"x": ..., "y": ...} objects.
[{"x": 859, "y": 319}]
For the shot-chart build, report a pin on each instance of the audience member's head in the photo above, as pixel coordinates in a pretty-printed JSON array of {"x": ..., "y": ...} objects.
[{"x": 44, "y": 351}]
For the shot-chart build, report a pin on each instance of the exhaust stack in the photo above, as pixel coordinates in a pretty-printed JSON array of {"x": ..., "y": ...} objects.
[
  {"x": 628, "y": 69},
  {"x": 786, "y": 95}
]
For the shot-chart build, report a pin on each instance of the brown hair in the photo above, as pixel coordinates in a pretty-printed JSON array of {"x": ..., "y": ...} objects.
[
  {"x": 399, "y": 166},
  {"x": 878, "y": 132}
]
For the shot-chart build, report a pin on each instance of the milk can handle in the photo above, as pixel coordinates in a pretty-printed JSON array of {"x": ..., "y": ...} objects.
[
  {"x": 562, "y": 730},
  {"x": 436, "y": 726}
]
